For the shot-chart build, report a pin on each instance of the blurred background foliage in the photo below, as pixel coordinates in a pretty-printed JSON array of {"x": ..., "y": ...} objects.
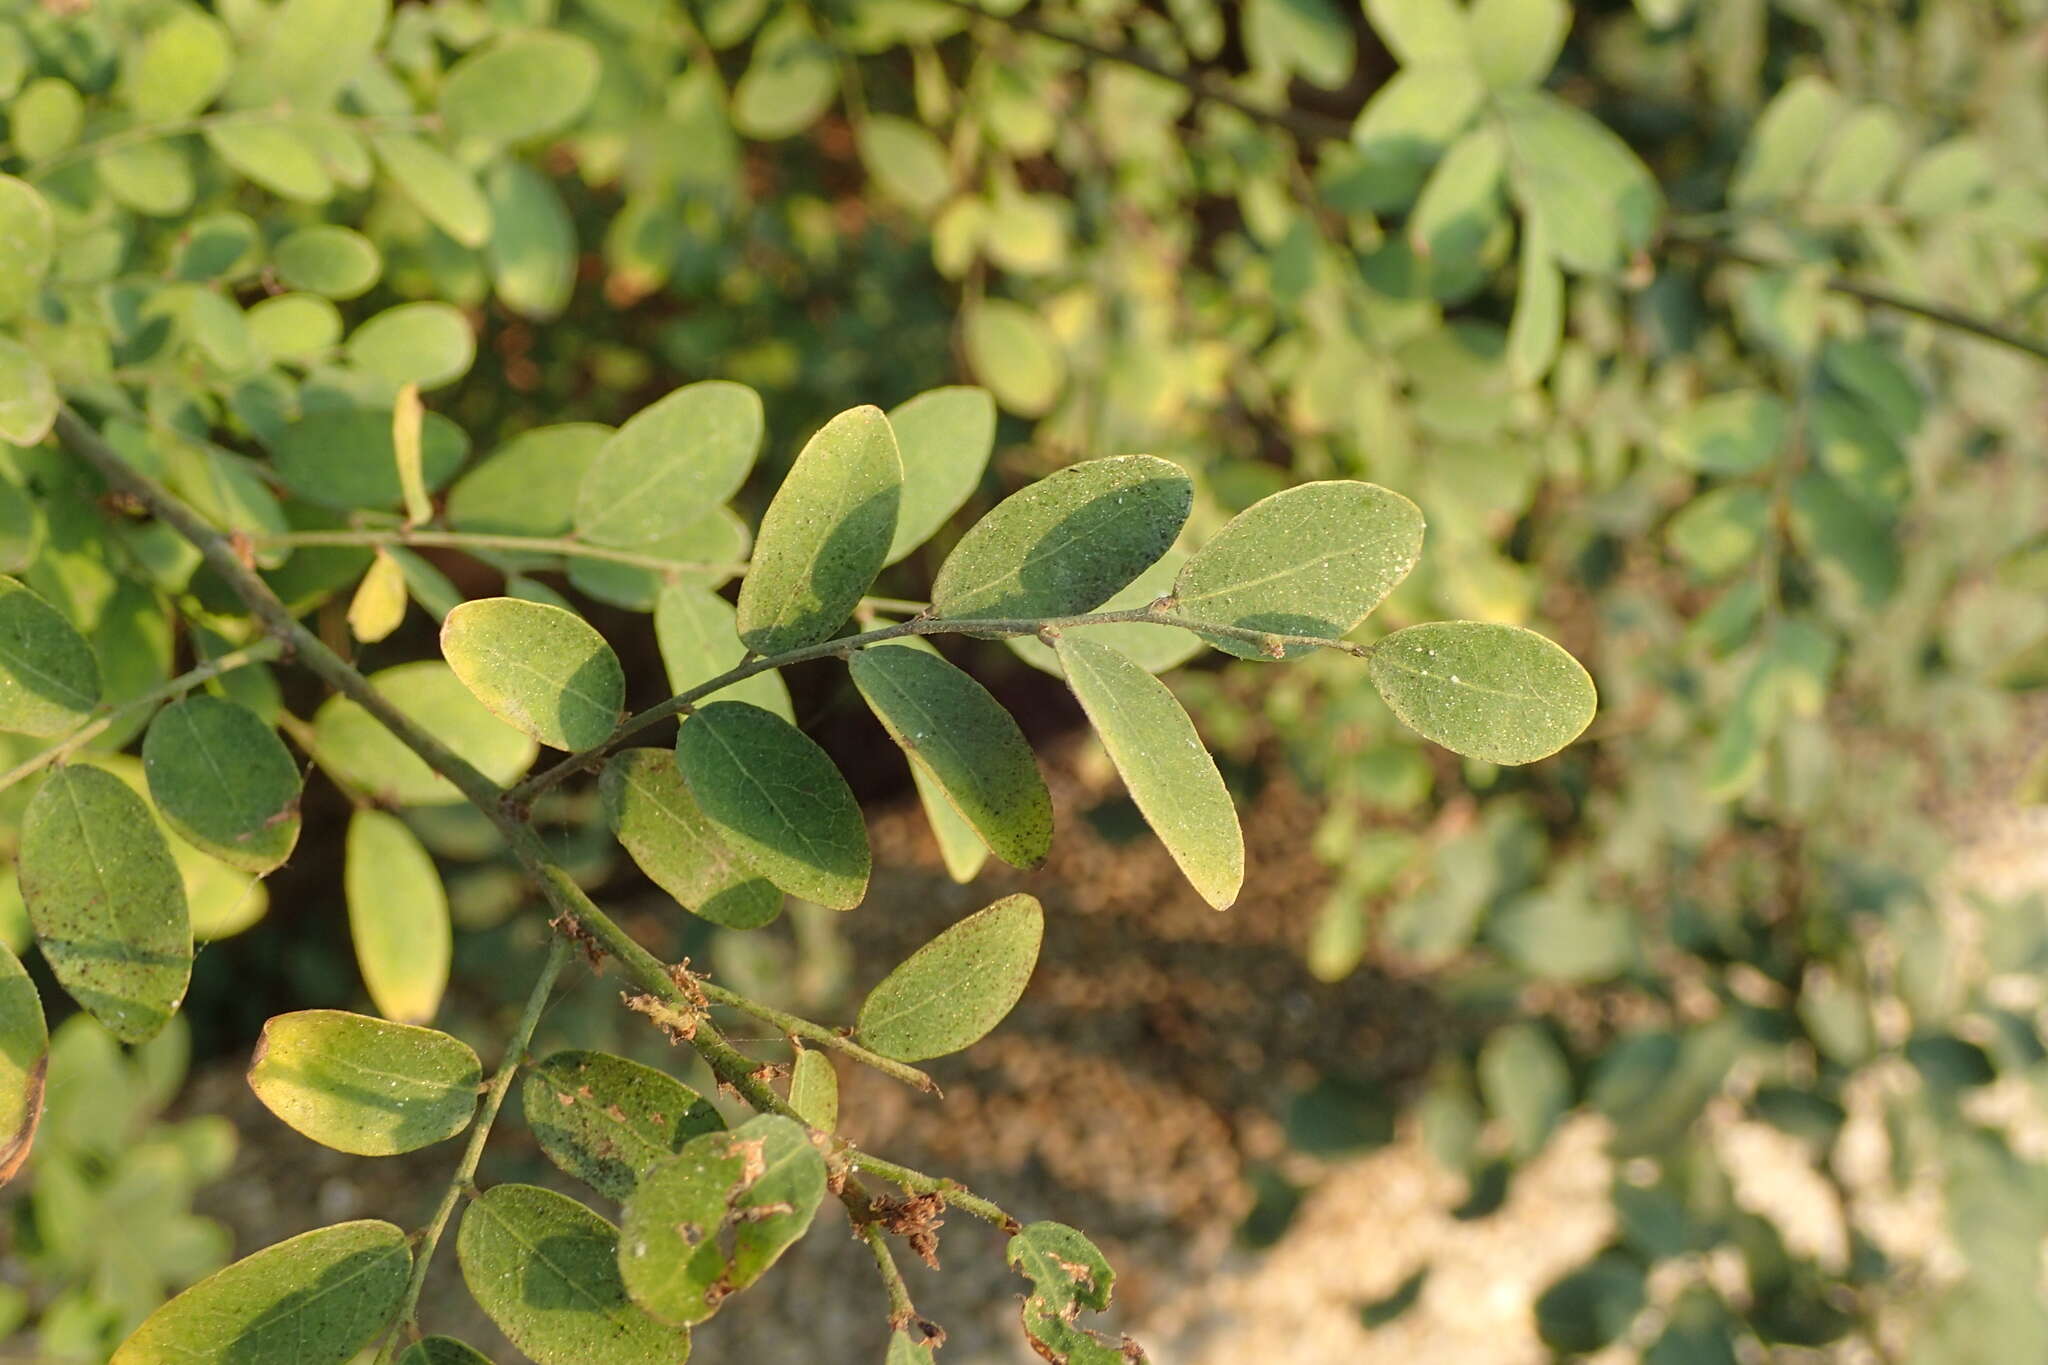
[{"x": 1611, "y": 290}]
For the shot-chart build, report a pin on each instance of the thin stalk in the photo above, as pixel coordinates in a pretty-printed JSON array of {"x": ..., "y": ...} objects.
[
  {"x": 303, "y": 734},
  {"x": 470, "y": 540},
  {"x": 917, "y": 1182},
  {"x": 902, "y": 1312},
  {"x": 819, "y": 1034},
  {"x": 259, "y": 652},
  {"x": 480, "y": 1131}
]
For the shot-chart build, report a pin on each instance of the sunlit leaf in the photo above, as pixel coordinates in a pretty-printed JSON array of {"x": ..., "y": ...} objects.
[
  {"x": 1015, "y": 355},
  {"x": 28, "y": 396},
  {"x": 944, "y": 436},
  {"x": 29, "y": 235},
  {"x": 948, "y": 994},
  {"x": 365, "y": 1086},
  {"x": 397, "y": 917},
  {"x": 1500, "y": 693},
  {"x": 224, "y": 781},
  {"x": 378, "y": 606},
  {"x": 544, "y": 670},
  {"x": 428, "y": 693},
  {"x": 1516, "y": 42},
  {"x": 442, "y": 1351},
  {"x": 179, "y": 68},
  {"x": 605, "y": 1120},
  {"x": 273, "y": 155},
  {"x": 1597, "y": 202},
  {"x": 789, "y": 82},
  {"x": 24, "y": 1060},
  {"x": 698, "y": 634},
  {"x": 524, "y": 85},
  {"x": 651, "y": 811},
  {"x": 670, "y": 464},
  {"x": 437, "y": 186}
]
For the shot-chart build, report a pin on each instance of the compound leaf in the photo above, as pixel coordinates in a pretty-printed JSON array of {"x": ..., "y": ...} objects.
[
  {"x": 365, "y": 1086},
  {"x": 948, "y": 994},
  {"x": 1493, "y": 692},
  {"x": 544, "y": 670},
  {"x": 605, "y": 1120},
  {"x": 397, "y": 917},
  {"x": 671, "y": 463},
  {"x": 657, "y": 820},
  {"x": 224, "y": 781}
]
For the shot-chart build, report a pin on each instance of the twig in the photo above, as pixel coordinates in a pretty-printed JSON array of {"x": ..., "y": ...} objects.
[
  {"x": 471, "y": 540},
  {"x": 819, "y": 1034},
  {"x": 902, "y": 1312}
]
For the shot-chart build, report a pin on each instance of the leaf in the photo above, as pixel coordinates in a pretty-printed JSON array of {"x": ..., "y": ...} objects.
[
  {"x": 406, "y": 419},
  {"x": 1493, "y": 692},
  {"x": 24, "y": 1061},
  {"x": 49, "y": 679},
  {"x": 671, "y": 463},
  {"x": 960, "y": 845},
  {"x": 45, "y": 118},
  {"x": 293, "y": 327},
  {"x": 1719, "y": 532},
  {"x": 365, "y": 1086},
  {"x": 308, "y": 51},
  {"x": 1065, "y": 544},
  {"x": 1406, "y": 126},
  {"x": 545, "y": 1269},
  {"x": 1733, "y": 433},
  {"x": 179, "y": 68},
  {"x": 532, "y": 253},
  {"x": 1312, "y": 560},
  {"x": 948, "y": 994},
  {"x": 1847, "y": 536},
  {"x": 378, "y": 607},
  {"x": 1785, "y": 140},
  {"x": 651, "y": 811},
  {"x": 1537, "y": 328},
  {"x": 1516, "y": 42},
  {"x": 438, "y": 187},
  {"x": 965, "y": 742},
  {"x": 824, "y": 536},
  {"x": 106, "y": 901},
  {"x": 904, "y": 1351},
  {"x": 273, "y": 155},
  {"x": 707, "y": 551},
  {"x": 907, "y": 163},
  {"x": 944, "y": 437},
  {"x": 224, "y": 781},
  {"x": 1598, "y": 204},
  {"x": 1421, "y": 31},
  {"x": 1525, "y": 1082},
  {"x": 425, "y": 344},
  {"x": 789, "y": 81},
  {"x": 713, "y": 1218},
  {"x": 361, "y": 751},
  {"x": 1460, "y": 203},
  {"x": 544, "y": 670},
  {"x": 1067, "y": 1274},
  {"x": 442, "y": 1351},
  {"x": 814, "y": 1090},
  {"x": 528, "y": 487},
  {"x": 397, "y": 917},
  {"x": 777, "y": 801},
  {"x": 327, "y": 259},
  {"x": 28, "y": 397},
  {"x": 1308, "y": 38},
  {"x": 524, "y": 85},
  {"x": 1168, "y": 773},
  {"x": 605, "y": 1120},
  {"x": 1863, "y": 156},
  {"x": 28, "y": 240},
  {"x": 344, "y": 459},
  {"x": 697, "y": 632},
  {"x": 1013, "y": 352},
  {"x": 314, "y": 1299}
]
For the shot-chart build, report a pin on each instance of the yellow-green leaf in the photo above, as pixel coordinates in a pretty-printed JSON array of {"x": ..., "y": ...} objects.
[
  {"x": 437, "y": 186},
  {"x": 329, "y": 260},
  {"x": 670, "y": 464},
  {"x": 948, "y": 994},
  {"x": 814, "y": 1090},
  {"x": 28, "y": 396},
  {"x": 1494, "y": 692},
  {"x": 365, "y": 1086},
  {"x": 378, "y": 607},
  {"x": 428, "y": 693},
  {"x": 397, "y": 917},
  {"x": 524, "y": 85},
  {"x": 698, "y": 635},
  {"x": 657, "y": 820},
  {"x": 24, "y": 1059},
  {"x": 28, "y": 240},
  {"x": 944, "y": 436},
  {"x": 544, "y": 670}
]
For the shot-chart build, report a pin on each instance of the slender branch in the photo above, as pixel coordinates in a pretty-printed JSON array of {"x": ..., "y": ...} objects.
[
  {"x": 259, "y": 652},
  {"x": 1720, "y": 249},
  {"x": 902, "y": 1312},
  {"x": 470, "y": 540},
  {"x": 817, "y": 1033},
  {"x": 480, "y": 1130},
  {"x": 1154, "y": 615},
  {"x": 307, "y": 738},
  {"x": 917, "y": 1182}
]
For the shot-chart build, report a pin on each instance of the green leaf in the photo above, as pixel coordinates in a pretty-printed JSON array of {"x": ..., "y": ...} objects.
[
  {"x": 179, "y": 69},
  {"x": 1312, "y": 560},
  {"x": 1847, "y": 536},
  {"x": 24, "y": 1060},
  {"x": 442, "y": 1351},
  {"x": 1516, "y": 42},
  {"x": 1598, "y": 204},
  {"x": 428, "y": 693},
  {"x": 904, "y": 1351},
  {"x": 1421, "y": 31},
  {"x": 45, "y": 118},
  {"x": 344, "y": 458},
  {"x": 106, "y": 901},
  {"x": 153, "y": 178},
  {"x": 314, "y": 1299},
  {"x": 605, "y": 1120},
  {"x": 1308, "y": 38},
  {"x": 1720, "y": 531},
  {"x": 294, "y": 327},
  {"x": 49, "y": 679},
  {"x": 814, "y": 1090},
  {"x": 1014, "y": 353},
  {"x": 789, "y": 81},
  {"x": 1493, "y": 692},
  {"x": 528, "y": 487},
  {"x": 1866, "y": 152},
  {"x": 397, "y": 917},
  {"x": 1786, "y": 138},
  {"x": 274, "y": 156},
  {"x": 698, "y": 634},
  {"x": 1406, "y": 126},
  {"x": 1067, "y": 1274},
  {"x": 1525, "y": 1082},
  {"x": 1537, "y": 328},
  {"x": 948, "y": 994},
  {"x": 1168, "y": 773},
  {"x": 708, "y": 551},
  {"x": 825, "y": 536},
  {"x": 1460, "y": 206},
  {"x": 309, "y": 50},
  {"x": 713, "y": 1218},
  {"x": 532, "y": 253},
  {"x": 544, "y": 670},
  {"x": 776, "y": 799},
  {"x": 906, "y": 162},
  {"x": 28, "y": 240},
  {"x": 960, "y": 846},
  {"x": 1065, "y": 544},
  {"x": 524, "y": 85},
  {"x": 657, "y": 820},
  {"x": 944, "y": 437},
  {"x": 1733, "y": 433},
  {"x": 365, "y": 1086},
  {"x": 438, "y": 187},
  {"x": 329, "y": 260},
  {"x": 545, "y": 1269},
  {"x": 672, "y": 463},
  {"x": 428, "y": 344},
  {"x": 965, "y": 742},
  {"x": 28, "y": 396},
  {"x": 378, "y": 607},
  {"x": 224, "y": 781}
]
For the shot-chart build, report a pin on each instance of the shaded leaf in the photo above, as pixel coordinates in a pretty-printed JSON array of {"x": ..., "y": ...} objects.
[
  {"x": 528, "y": 486},
  {"x": 944, "y": 437},
  {"x": 544, "y": 670},
  {"x": 49, "y": 678},
  {"x": 1733, "y": 433},
  {"x": 1154, "y": 648},
  {"x": 1499, "y": 693},
  {"x": 345, "y": 459},
  {"x": 1526, "y": 1083},
  {"x": 657, "y": 820},
  {"x": 960, "y": 845},
  {"x": 397, "y": 917},
  {"x": 1168, "y": 773},
  {"x": 365, "y": 1086},
  {"x": 532, "y": 253},
  {"x": 948, "y": 994},
  {"x": 24, "y": 1061},
  {"x": 605, "y": 1120},
  {"x": 697, "y": 632},
  {"x": 224, "y": 781},
  {"x": 671, "y": 463},
  {"x": 428, "y": 693}
]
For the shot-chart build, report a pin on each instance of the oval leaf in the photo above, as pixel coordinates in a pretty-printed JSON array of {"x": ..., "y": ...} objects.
[
  {"x": 363, "y": 752},
  {"x": 653, "y": 814},
  {"x": 605, "y": 1120},
  {"x": 825, "y": 536},
  {"x": 698, "y": 634},
  {"x": 545, "y": 1269},
  {"x": 333, "y": 261},
  {"x": 948, "y": 994},
  {"x": 1067, "y": 543},
  {"x": 437, "y": 186},
  {"x": 24, "y": 1061},
  {"x": 397, "y": 917},
  {"x": 106, "y": 900},
  {"x": 1168, "y": 773},
  {"x": 525, "y": 85},
  {"x": 944, "y": 437},
  {"x": 814, "y": 1090},
  {"x": 544, "y": 670},
  {"x": 345, "y": 458},
  {"x": 711, "y": 1219},
  {"x": 49, "y": 680},
  {"x": 427, "y": 343},
  {"x": 363, "y": 1085},
  {"x": 1499, "y": 693},
  {"x": 528, "y": 487},
  {"x": 671, "y": 464},
  {"x": 28, "y": 396},
  {"x": 314, "y": 1299},
  {"x": 224, "y": 781},
  {"x": 1313, "y": 560},
  {"x": 963, "y": 739},
  {"x": 777, "y": 801},
  {"x": 442, "y": 1351}
]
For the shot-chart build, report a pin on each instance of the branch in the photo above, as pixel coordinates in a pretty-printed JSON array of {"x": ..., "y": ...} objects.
[
  {"x": 1719, "y": 249},
  {"x": 469, "y": 540},
  {"x": 838, "y": 1042},
  {"x": 259, "y": 652}
]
